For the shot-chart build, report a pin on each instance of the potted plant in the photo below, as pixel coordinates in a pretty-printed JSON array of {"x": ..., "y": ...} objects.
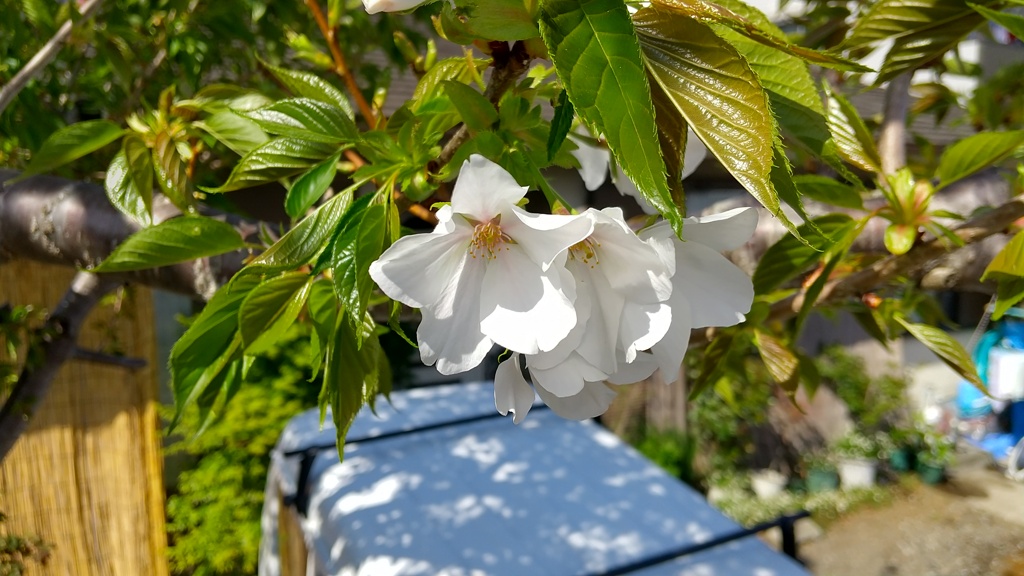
[
  {"x": 858, "y": 460},
  {"x": 906, "y": 442},
  {"x": 821, "y": 473},
  {"x": 933, "y": 459}
]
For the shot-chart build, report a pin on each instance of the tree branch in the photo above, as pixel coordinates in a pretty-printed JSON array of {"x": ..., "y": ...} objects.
[
  {"x": 50, "y": 219},
  {"x": 509, "y": 65},
  {"x": 892, "y": 141},
  {"x": 910, "y": 265},
  {"x": 44, "y": 56},
  {"x": 340, "y": 65},
  {"x": 59, "y": 337}
]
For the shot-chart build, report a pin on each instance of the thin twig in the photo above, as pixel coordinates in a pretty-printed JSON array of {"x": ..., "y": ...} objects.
[
  {"x": 60, "y": 334},
  {"x": 509, "y": 65},
  {"x": 910, "y": 264},
  {"x": 340, "y": 66},
  {"x": 892, "y": 141},
  {"x": 44, "y": 56}
]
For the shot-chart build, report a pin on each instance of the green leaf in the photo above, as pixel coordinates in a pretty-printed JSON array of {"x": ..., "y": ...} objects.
[
  {"x": 946, "y": 348},
  {"x": 560, "y": 124},
  {"x": 303, "y": 242},
  {"x": 352, "y": 377},
  {"x": 279, "y": 158},
  {"x": 597, "y": 57},
  {"x": 712, "y": 362},
  {"x": 1012, "y": 22},
  {"x": 921, "y": 31},
  {"x": 71, "y": 143},
  {"x": 239, "y": 134},
  {"x": 715, "y": 91},
  {"x": 899, "y": 238},
  {"x": 216, "y": 98},
  {"x": 502, "y": 20},
  {"x": 129, "y": 181},
  {"x": 177, "y": 240},
  {"x": 270, "y": 309},
  {"x": 789, "y": 257},
  {"x": 672, "y": 136},
  {"x": 792, "y": 92},
  {"x": 1009, "y": 261},
  {"x": 323, "y": 313},
  {"x": 308, "y": 85},
  {"x": 171, "y": 172},
  {"x": 309, "y": 187},
  {"x": 717, "y": 13},
  {"x": 781, "y": 362},
  {"x": 828, "y": 190},
  {"x": 307, "y": 119},
  {"x": 360, "y": 243},
  {"x": 206, "y": 341},
  {"x": 477, "y": 112},
  {"x": 1009, "y": 291},
  {"x": 852, "y": 137},
  {"x": 463, "y": 70},
  {"x": 976, "y": 153},
  {"x": 1007, "y": 269}
]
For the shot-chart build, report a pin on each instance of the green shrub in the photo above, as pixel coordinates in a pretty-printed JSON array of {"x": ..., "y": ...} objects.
[
  {"x": 873, "y": 403},
  {"x": 214, "y": 518},
  {"x": 674, "y": 452}
]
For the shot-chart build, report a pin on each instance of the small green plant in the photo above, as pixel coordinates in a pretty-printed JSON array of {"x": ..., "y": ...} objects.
[
  {"x": 937, "y": 450},
  {"x": 743, "y": 507},
  {"x": 18, "y": 551},
  {"x": 819, "y": 461},
  {"x": 856, "y": 445}
]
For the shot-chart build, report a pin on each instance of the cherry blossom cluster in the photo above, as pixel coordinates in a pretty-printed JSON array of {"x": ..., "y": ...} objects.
[{"x": 581, "y": 301}]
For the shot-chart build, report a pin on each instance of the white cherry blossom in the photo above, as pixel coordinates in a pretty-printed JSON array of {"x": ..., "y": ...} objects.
[
  {"x": 595, "y": 162},
  {"x": 489, "y": 273},
  {"x": 707, "y": 289}
]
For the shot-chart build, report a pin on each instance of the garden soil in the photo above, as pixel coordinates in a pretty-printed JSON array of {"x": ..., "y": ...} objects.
[{"x": 971, "y": 525}]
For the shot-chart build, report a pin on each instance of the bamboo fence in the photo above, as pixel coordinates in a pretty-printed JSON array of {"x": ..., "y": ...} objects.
[{"x": 87, "y": 476}]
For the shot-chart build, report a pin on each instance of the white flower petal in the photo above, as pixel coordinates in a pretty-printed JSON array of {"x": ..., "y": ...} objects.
[
  {"x": 669, "y": 351},
  {"x": 636, "y": 371},
  {"x": 633, "y": 267},
  {"x": 642, "y": 326},
  {"x": 522, "y": 307},
  {"x": 484, "y": 189},
  {"x": 719, "y": 293},
  {"x": 591, "y": 402},
  {"x": 512, "y": 393},
  {"x": 599, "y": 341},
  {"x": 449, "y": 333},
  {"x": 725, "y": 231},
  {"x": 567, "y": 378},
  {"x": 694, "y": 154},
  {"x": 544, "y": 237},
  {"x": 626, "y": 187},
  {"x": 593, "y": 161},
  {"x": 375, "y": 6},
  {"x": 417, "y": 269},
  {"x": 583, "y": 305}
]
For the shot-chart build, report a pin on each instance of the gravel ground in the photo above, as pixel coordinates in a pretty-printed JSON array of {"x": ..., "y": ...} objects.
[{"x": 972, "y": 525}]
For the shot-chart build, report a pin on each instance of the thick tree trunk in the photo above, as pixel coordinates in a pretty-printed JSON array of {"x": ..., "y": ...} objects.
[{"x": 59, "y": 221}]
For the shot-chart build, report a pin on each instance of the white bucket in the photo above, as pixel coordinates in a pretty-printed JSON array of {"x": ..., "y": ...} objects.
[{"x": 857, "y": 473}]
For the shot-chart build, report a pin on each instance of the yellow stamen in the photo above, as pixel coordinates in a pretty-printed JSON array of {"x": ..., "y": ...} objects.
[
  {"x": 488, "y": 240},
  {"x": 586, "y": 251}
]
